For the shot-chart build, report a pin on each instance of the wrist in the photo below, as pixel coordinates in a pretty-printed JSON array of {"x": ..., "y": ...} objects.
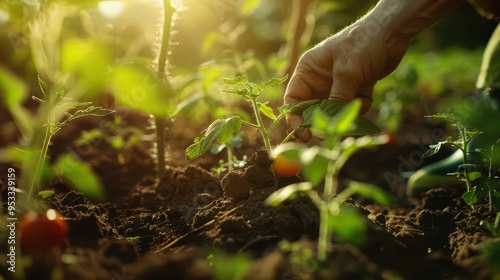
[{"x": 405, "y": 19}]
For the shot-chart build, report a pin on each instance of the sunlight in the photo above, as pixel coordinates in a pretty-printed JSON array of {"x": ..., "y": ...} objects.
[{"x": 111, "y": 9}]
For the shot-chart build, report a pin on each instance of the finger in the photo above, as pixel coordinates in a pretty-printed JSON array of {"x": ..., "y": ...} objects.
[
  {"x": 294, "y": 121},
  {"x": 365, "y": 94}
]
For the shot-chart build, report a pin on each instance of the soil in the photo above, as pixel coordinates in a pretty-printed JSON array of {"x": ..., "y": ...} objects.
[{"x": 196, "y": 223}]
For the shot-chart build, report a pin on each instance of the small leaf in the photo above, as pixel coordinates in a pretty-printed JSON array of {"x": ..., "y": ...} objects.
[
  {"x": 79, "y": 176},
  {"x": 297, "y": 107},
  {"x": 371, "y": 191},
  {"x": 484, "y": 185},
  {"x": 271, "y": 83},
  {"x": 43, "y": 86},
  {"x": 43, "y": 195},
  {"x": 221, "y": 130},
  {"x": 470, "y": 197},
  {"x": 348, "y": 225},
  {"x": 236, "y": 81},
  {"x": 314, "y": 164},
  {"x": 433, "y": 149},
  {"x": 266, "y": 110},
  {"x": 91, "y": 111},
  {"x": 288, "y": 192},
  {"x": 344, "y": 119}
]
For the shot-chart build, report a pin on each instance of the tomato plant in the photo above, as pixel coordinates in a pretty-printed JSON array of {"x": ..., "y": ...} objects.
[
  {"x": 41, "y": 232},
  {"x": 285, "y": 167}
]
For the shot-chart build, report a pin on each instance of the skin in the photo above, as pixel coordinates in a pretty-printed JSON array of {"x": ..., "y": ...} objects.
[{"x": 349, "y": 64}]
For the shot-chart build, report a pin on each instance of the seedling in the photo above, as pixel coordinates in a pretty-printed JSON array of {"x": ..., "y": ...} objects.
[
  {"x": 232, "y": 161},
  {"x": 478, "y": 184},
  {"x": 223, "y": 130},
  {"x": 331, "y": 121}
]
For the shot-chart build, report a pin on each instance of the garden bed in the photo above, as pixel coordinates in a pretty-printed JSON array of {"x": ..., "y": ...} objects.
[{"x": 196, "y": 226}]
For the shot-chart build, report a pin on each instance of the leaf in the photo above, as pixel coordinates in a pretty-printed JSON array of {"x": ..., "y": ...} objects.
[
  {"x": 79, "y": 176},
  {"x": 271, "y": 83},
  {"x": 314, "y": 164},
  {"x": 90, "y": 111},
  {"x": 237, "y": 80},
  {"x": 13, "y": 90},
  {"x": 289, "y": 150},
  {"x": 370, "y": 191},
  {"x": 266, "y": 110},
  {"x": 297, "y": 106},
  {"x": 221, "y": 130},
  {"x": 288, "y": 192},
  {"x": 347, "y": 225},
  {"x": 344, "y": 119},
  {"x": 433, "y": 149},
  {"x": 43, "y": 86},
  {"x": 485, "y": 185},
  {"x": 363, "y": 126},
  {"x": 138, "y": 89},
  {"x": 43, "y": 195},
  {"x": 470, "y": 197}
]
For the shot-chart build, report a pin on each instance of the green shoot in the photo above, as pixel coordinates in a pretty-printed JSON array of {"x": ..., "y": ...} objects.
[
  {"x": 223, "y": 130},
  {"x": 465, "y": 135},
  {"x": 332, "y": 120}
]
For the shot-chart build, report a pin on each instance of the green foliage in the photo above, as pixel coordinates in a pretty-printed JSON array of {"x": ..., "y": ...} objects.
[
  {"x": 479, "y": 186},
  {"x": 332, "y": 120},
  {"x": 228, "y": 266},
  {"x": 79, "y": 176},
  {"x": 493, "y": 228},
  {"x": 223, "y": 130}
]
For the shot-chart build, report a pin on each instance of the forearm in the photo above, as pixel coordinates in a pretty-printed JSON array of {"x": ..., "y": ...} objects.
[{"x": 407, "y": 18}]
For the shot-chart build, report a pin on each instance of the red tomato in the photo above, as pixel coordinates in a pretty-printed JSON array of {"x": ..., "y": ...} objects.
[
  {"x": 41, "y": 232},
  {"x": 286, "y": 168}
]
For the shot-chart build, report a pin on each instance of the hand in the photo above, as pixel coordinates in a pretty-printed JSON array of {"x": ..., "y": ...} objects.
[
  {"x": 343, "y": 67},
  {"x": 349, "y": 64}
]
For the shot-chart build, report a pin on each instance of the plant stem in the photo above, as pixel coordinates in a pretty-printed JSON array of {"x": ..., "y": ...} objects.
[
  {"x": 324, "y": 233},
  {"x": 466, "y": 161},
  {"x": 161, "y": 122},
  {"x": 261, "y": 127},
  {"x": 41, "y": 159}
]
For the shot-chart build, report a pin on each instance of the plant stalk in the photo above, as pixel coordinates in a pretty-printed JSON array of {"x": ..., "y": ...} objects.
[
  {"x": 261, "y": 127},
  {"x": 161, "y": 122}
]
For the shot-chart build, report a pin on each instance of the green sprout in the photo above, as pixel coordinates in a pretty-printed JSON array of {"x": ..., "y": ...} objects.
[
  {"x": 332, "y": 121},
  {"x": 223, "y": 129}
]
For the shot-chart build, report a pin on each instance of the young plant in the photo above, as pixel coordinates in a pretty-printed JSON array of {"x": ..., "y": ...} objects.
[
  {"x": 332, "y": 121},
  {"x": 232, "y": 161},
  {"x": 223, "y": 130},
  {"x": 479, "y": 185}
]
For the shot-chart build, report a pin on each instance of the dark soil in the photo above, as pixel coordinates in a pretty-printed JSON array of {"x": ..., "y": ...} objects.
[{"x": 182, "y": 227}]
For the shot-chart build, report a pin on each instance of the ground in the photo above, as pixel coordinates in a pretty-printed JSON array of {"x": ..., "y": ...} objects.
[{"x": 198, "y": 225}]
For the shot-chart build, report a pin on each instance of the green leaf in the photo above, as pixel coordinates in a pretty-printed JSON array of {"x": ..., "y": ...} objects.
[
  {"x": 297, "y": 106},
  {"x": 43, "y": 86},
  {"x": 43, "y": 195},
  {"x": 88, "y": 61},
  {"x": 363, "y": 126},
  {"x": 138, "y": 89},
  {"x": 13, "y": 91},
  {"x": 79, "y": 176},
  {"x": 485, "y": 185},
  {"x": 470, "y": 197},
  {"x": 370, "y": 191},
  {"x": 314, "y": 164},
  {"x": 433, "y": 149},
  {"x": 91, "y": 111},
  {"x": 290, "y": 150},
  {"x": 266, "y": 110},
  {"x": 221, "y": 130},
  {"x": 271, "y": 83},
  {"x": 348, "y": 225},
  {"x": 288, "y": 192},
  {"x": 344, "y": 119},
  {"x": 236, "y": 81}
]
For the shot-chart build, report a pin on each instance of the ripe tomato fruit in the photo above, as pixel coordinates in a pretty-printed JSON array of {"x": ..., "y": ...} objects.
[
  {"x": 286, "y": 168},
  {"x": 41, "y": 232}
]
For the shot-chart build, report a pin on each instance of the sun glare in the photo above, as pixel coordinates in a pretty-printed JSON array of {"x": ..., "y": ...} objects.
[{"x": 111, "y": 9}]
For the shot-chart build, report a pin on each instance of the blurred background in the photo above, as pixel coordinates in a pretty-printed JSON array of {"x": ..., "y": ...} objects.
[{"x": 223, "y": 38}]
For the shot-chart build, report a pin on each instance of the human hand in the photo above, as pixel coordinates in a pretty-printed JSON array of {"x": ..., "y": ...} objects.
[
  {"x": 349, "y": 64},
  {"x": 343, "y": 67}
]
